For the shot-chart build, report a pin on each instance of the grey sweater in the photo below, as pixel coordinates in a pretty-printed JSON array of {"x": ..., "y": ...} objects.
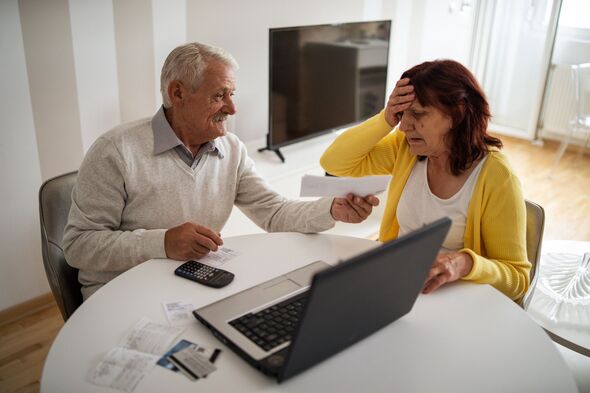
[{"x": 126, "y": 198}]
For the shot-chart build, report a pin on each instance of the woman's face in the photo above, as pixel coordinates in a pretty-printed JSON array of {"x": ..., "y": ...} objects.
[{"x": 425, "y": 128}]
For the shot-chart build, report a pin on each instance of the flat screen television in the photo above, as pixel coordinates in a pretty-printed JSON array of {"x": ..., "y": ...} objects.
[{"x": 324, "y": 77}]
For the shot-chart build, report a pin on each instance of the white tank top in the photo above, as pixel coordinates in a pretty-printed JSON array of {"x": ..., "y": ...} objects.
[{"x": 418, "y": 206}]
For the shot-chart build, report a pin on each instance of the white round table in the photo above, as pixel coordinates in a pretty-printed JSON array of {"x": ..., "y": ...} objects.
[{"x": 462, "y": 338}]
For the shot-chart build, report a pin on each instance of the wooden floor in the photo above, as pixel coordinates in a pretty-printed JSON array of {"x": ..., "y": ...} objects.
[
  {"x": 24, "y": 344},
  {"x": 562, "y": 190},
  {"x": 564, "y": 193}
]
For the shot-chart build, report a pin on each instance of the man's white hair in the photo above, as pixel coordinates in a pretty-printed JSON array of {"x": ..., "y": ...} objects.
[{"x": 186, "y": 64}]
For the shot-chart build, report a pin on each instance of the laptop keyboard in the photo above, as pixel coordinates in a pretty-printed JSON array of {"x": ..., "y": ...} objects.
[{"x": 274, "y": 325}]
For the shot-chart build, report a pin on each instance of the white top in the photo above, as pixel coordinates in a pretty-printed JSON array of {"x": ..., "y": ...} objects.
[
  {"x": 418, "y": 206},
  {"x": 464, "y": 337}
]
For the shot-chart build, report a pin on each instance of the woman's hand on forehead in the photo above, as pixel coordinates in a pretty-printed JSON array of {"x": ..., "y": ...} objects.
[{"x": 400, "y": 100}]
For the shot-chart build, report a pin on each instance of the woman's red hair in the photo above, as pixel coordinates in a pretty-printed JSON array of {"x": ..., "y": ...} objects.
[{"x": 452, "y": 88}]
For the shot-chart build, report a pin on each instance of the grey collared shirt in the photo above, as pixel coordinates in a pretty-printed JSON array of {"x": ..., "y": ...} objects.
[{"x": 165, "y": 139}]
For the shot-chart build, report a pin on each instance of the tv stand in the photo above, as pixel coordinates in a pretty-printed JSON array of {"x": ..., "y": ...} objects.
[{"x": 277, "y": 152}]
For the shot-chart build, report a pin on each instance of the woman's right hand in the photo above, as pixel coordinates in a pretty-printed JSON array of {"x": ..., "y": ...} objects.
[{"x": 400, "y": 99}]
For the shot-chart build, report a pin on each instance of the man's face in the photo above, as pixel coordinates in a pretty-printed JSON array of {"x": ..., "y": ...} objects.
[{"x": 205, "y": 111}]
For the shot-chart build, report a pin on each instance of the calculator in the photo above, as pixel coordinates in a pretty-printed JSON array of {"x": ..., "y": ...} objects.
[{"x": 204, "y": 274}]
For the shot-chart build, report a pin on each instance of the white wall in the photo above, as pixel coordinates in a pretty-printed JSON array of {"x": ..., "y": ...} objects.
[
  {"x": 135, "y": 58},
  {"x": 572, "y": 45},
  {"x": 93, "y": 36},
  {"x": 50, "y": 68},
  {"x": 21, "y": 271},
  {"x": 400, "y": 42},
  {"x": 169, "y": 21},
  {"x": 446, "y": 31}
]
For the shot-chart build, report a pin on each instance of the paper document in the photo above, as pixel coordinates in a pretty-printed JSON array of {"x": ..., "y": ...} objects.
[
  {"x": 123, "y": 367},
  {"x": 219, "y": 257},
  {"x": 329, "y": 186},
  {"x": 179, "y": 313},
  {"x": 151, "y": 337}
]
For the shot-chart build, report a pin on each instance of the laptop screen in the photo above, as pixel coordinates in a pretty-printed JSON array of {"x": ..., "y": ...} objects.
[{"x": 358, "y": 297}]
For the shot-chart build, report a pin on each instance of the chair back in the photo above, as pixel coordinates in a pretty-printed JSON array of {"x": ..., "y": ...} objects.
[
  {"x": 535, "y": 224},
  {"x": 54, "y": 207}
]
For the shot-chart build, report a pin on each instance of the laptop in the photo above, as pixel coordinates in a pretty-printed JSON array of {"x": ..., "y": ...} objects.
[{"x": 289, "y": 324}]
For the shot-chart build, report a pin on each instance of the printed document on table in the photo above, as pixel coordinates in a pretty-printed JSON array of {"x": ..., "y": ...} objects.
[
  {"x": 179, "y": 313},
  {"x": 150, "y": 337},
  {"x": 123, "y": 367},
  {"x": 219, "y": 257},
  {"x": 329, "y": 186}
]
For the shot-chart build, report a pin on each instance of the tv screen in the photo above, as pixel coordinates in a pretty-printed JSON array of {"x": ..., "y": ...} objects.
[{"x": 325, "y": 77}]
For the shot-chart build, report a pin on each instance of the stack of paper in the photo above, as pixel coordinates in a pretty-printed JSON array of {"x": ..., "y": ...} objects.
[{"x": 123, "y": 367}]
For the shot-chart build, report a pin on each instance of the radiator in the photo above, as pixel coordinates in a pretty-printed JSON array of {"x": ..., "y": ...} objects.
[{"x": 560, "y": 103}]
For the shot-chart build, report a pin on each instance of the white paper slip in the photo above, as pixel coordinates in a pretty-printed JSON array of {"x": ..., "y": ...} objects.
[
  {"x": 151, "y": 337},
  {"x": 219, "y": 257},
  {"x": 330, "y": 186},
  {"x": 179, "y": 313},
  {"x": 122, "y": 369}
]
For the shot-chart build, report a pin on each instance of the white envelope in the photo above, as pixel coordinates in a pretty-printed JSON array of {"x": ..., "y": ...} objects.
[{"x": 330, "y": 186}]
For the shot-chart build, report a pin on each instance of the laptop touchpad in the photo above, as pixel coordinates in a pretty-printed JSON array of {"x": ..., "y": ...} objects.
[{"x": 281, "y": 288}]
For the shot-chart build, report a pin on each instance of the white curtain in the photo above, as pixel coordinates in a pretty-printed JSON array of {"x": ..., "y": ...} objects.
[{"x": 517, "y": 38}]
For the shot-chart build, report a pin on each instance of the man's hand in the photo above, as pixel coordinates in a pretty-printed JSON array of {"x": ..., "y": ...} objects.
[
  {"x": 190, "y": 241},
  {"x": 353, "y": 208},
  {"x": 447, "y": 268}
]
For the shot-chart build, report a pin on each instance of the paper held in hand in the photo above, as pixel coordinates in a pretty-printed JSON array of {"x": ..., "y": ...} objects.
[{"x": 329, "y": 186}]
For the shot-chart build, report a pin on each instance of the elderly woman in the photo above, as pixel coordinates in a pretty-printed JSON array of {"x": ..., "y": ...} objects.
[{"x": 444, "y": 163}]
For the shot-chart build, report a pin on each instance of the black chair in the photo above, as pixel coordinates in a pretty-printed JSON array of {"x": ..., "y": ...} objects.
[{"x": 54, "y": 207}]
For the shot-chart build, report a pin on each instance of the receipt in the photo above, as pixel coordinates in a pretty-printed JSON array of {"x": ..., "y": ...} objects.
[
  {"x": 150, "y": 337},
  {"x": 219, "y": 257},
  {"x": 122, "y": 369},
  {"x": 179, "y": 313}
]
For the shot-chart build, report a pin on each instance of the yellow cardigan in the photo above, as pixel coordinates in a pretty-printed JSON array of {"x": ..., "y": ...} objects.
[{"x": 495, "y": 232}]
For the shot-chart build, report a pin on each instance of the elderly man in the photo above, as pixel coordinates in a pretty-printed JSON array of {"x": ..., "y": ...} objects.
[{"x": 164, "y": 187}]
